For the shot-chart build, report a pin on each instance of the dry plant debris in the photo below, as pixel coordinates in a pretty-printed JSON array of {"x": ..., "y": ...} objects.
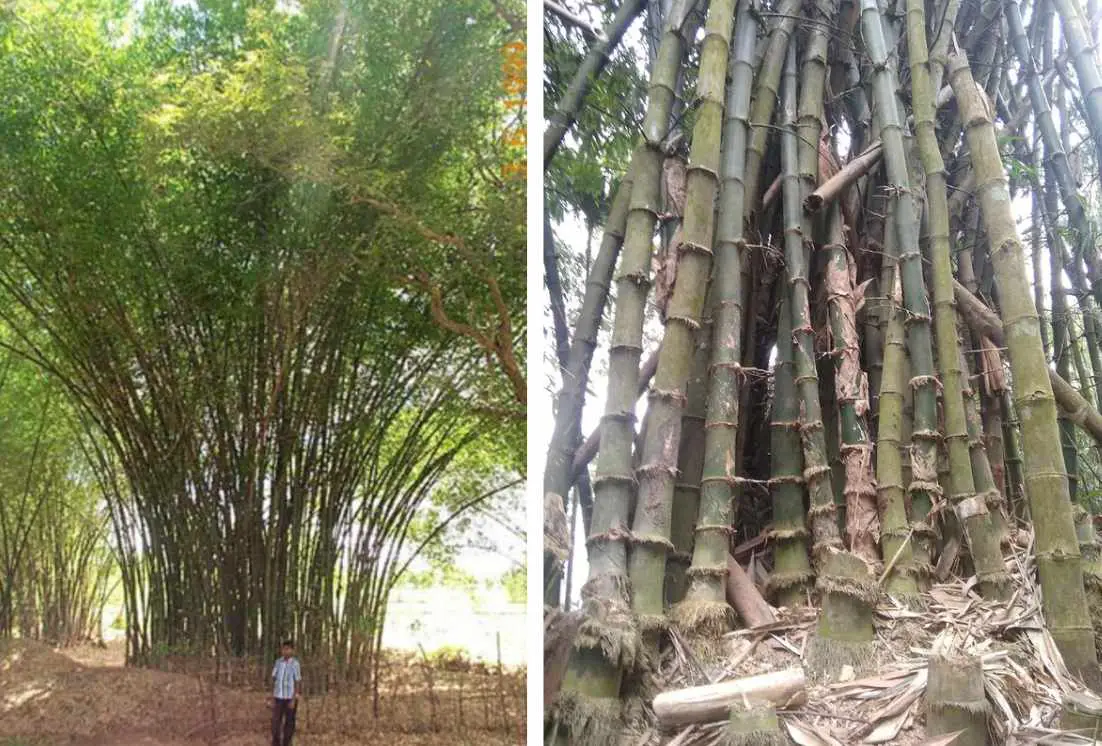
[
  {"x": 48, "y": 698},
  {"x": 1025, "y": 677}
]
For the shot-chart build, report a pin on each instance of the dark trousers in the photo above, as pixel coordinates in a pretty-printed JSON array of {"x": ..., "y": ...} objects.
[{"x": 283, "y": 715}]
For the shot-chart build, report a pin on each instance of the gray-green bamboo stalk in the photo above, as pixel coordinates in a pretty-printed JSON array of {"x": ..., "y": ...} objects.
[
  {"x": 971, "y": 508},
  {"x": 845, "y": 580},
  {"x": 607, "y": 643},
  {"x": 557, "y": 476},
  {"x": 923, "y": 488},
  {"x": 705, "y": 608},
  {"x": 765, "y": 99},
  {"x": 562, "y": 119},
  {"x": 657, "y": 471},
  {"x": 1061, "y": 577}
]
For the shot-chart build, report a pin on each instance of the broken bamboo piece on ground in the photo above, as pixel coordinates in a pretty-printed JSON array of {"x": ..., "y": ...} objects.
[
  {"x": 703, "y": 704},
  {"x": 744, "y": 597}
]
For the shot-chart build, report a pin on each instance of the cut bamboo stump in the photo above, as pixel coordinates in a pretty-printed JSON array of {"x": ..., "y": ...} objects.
[
  {"x": 756, "y": 726},
  {"x": 705, "y": 704},
  {"x": 744, "y": 597},
  {"x": 955, "y": 699}
]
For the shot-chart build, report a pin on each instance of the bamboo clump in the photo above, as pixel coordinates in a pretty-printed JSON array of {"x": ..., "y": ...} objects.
[{"x": 862, "y": 390}]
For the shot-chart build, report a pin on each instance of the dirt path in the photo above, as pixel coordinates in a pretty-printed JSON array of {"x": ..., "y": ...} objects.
[{"x": 85, "y": 697}]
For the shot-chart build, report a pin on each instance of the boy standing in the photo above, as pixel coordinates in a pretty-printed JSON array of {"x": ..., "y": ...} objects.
[{"x": 287, "y": 676}]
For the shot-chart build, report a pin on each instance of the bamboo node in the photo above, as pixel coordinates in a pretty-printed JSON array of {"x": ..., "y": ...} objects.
[
  {"x": 609, "y": 478},
  {"x": 785, "y": 479},
  {"x": 692, "y": 247},
  {"x": 742, "y": 371},
  {"x": 931, "y": 488},
  {"x": 747, "y": 482},
  {"x": 1058, "y": 555},
  {"x": 919, "y": 381},
  {"x": 722, "y": 528},
  {"x": 863, "y": 589},
  {"x": 993, "y": 498},
  {"x": 640, "y": 279},
  {"x": 921, "y": 528},
  {"x": 607, "y": 537},
  {"x": 812, "y": 426},
  {"x": 970, "y": 507},
  {"x": 652, "y": 622},
  {"x": 624, "y": 417},
  {"x": 780, "y": 534},
  {"x": 812, "y": 472},
  {"x": 652, "y": 540},
  {"x": 672, "y": 395},
  {"x": 779, "y": 581},
  {"x": 650, "y": 471},
  {"x": 819, "y": 510},
  {"x": 688, "y": 321}
]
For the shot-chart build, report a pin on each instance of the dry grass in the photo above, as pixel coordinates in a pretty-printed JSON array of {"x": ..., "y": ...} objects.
[{"x": 84, "y": 697}]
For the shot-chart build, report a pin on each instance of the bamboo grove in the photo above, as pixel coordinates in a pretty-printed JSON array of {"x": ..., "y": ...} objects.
[
  {"x": 852, "y": 262},
  {"x": 281, "y": 294}
]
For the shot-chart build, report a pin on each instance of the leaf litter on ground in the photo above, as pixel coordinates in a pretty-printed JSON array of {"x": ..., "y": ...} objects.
[{"x": 1025, "y": 677}]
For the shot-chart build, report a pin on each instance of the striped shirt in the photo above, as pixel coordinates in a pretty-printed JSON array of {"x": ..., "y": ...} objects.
[{"x": 285, "y": 674}]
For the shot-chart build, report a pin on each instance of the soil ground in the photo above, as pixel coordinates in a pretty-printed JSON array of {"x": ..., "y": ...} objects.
[{"x": 86, "y": 697}]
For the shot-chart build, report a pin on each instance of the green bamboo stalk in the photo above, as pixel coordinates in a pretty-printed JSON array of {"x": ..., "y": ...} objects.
[
  {"x": 891, "y": 434},
  {"x": 992, "y": 422},
  {"x": 657, "y": 471},
  {"x": 876, "y": 309},
  {"x": 764, "y": 101},
  {"x": 1081, "y": 47},
  {"x": 792, "y": 574},
  {"x": 982, "y": 468},
  {"x": 591, "y": 68},
  {"x": 1091, "y": 332},
  {"x": 690, "y": 463},
  {"x": 809, "y": 127},
  {"x": 1061, "y": 577},
  {"x": 1036, "y": 256},
  {"x": 860, "y": 114},
  {"x": 557, "y": 476},
  {"x": 971, "y": 508},
  {"x": 1061, "y": 351},
  {"x": 923, "y": 487},
  {"x": 607, "y": 642},
  {"x": 828, "y": 401},
  {"x": 1015, "y": 478},
  {"x": 705, "y": 608},
  {"x": 1077, "y": 357},
  {"x": 848, "y": 586},
  {"x": 1084, "y": 229},
  {"x": 862, "y": 523},
  {"x": 939, "y": 52}
]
